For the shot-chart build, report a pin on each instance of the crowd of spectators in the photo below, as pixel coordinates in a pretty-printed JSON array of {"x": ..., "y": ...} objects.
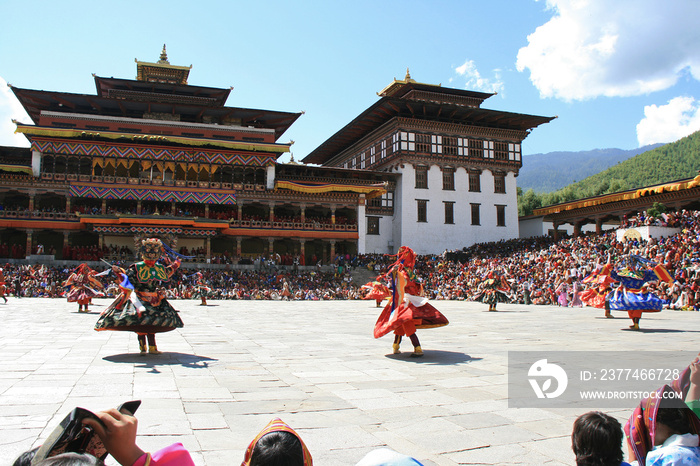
[{"x": 534, "y": 268}]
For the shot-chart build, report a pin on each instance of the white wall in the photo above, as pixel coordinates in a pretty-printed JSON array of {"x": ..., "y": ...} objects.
[{"x": 434, "y": 236}]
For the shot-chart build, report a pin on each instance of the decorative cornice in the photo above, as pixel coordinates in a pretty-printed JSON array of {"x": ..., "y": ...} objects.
[
  {"x": 31, "y": 130},
  {"x": 454, "y": 129},
  {"x": 163, "y": 154}
]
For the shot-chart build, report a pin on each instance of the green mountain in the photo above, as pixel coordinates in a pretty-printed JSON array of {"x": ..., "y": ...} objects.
[
  {"x": 555, "y": 170},
  {"x": 670, "y": 162}
]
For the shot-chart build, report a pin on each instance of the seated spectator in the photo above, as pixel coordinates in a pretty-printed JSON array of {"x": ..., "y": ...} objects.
[
  {"x": 597, "y": 440},
  {"x": 118, "y": 434},
  {"x": 277, "y": 445},
  {"x": 674, "y": 440}
]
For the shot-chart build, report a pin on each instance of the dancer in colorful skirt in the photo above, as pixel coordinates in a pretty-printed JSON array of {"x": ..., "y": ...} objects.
[
  {"x": 82, "y": 287},
  {"x": 598, "y": 293},
  {"x": 141, "y": 306},
  {"x": 494, "y": 290},
  {"x": 2, "y": 286},
  {"x": 632, "y": 294},
  {"x": 201, "y": 288},
  {"x": 376, "y": 290},
  {"x": 407, "y": 309}
]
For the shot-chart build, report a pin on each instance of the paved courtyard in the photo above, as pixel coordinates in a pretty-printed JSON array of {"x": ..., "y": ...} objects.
[{"x": 238, "y": 364}]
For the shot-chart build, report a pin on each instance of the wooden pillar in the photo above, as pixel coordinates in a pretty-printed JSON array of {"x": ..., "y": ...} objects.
[
  {"x": 239, "y": 240},
  {"x": 303, "y": 214},
  {"x": 104, "y": 206},
  {"x": 332, "y": 258},
  {"x": 577, "y": 229},
  {"x": 599, "y": 226},
  {"x": 172, "y": 208},
  {"x": 556, "y": 231},
  {"x": 206, "y": 210},
  {"x": 333, "y": 217},
  {"x": 240, "y": 212},
  {"x": 68, "y": 204},
  {"x": 101, "y": 240},
  {"x": 302, "y": 252},
  {"x": 139, "y": 206},
  {"x": 31, "y": 202},
  {"x": 208, "y": 249},
  {"x": 271, "y": 242},
  {"x": 272, "y": 212},
  {"x": 28, "y": 246}
]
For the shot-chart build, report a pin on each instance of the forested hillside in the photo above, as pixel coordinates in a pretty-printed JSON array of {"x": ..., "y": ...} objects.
[
  {"x": 670, "y": 162},
  {"x": 555, "y": 170}
]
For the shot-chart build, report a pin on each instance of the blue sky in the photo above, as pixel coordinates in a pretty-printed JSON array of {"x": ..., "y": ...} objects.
[{"x": 620, "y": 73}]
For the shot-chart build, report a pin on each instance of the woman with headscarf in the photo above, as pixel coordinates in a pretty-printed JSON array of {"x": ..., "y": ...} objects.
[
  {"x": 277, "y": 443},
  {"x": 407, "y": 309}
]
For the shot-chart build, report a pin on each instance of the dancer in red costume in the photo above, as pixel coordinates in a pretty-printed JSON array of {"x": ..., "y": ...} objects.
[
  {"x": 377, "y": 291},
  {"x": 600, "y": 286},
  {"x": 201, "y": 288},
  {"x": 407, "y": 310},
  {"x": 2, "y": 286},
  {"x": 83, "y": 287}
]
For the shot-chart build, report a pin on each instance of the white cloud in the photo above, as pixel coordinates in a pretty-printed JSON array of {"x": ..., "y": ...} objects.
[
  {"x": 594, "y": 48},
  {"x": 10, "y": 108},
  {"x": 476, "y": 82},
  {"x": 668, "y": 123}
]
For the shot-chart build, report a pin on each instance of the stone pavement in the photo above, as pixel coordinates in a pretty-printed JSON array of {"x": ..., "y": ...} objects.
[{"x": 238, "y": 364}]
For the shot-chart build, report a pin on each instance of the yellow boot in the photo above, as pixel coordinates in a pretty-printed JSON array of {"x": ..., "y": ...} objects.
[
  {"x": 417, "y": 352},
  {"x": 395, "y": 348},
  {"x": 153, "y": 350}
]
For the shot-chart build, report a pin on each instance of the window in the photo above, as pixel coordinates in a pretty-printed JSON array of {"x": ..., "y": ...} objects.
[
  {"x": 449, "y": 213},
  {"x": 488, "y": 150},
  {"x": 476, "y": 220},
  {"x": 475, "y": 181},
  {"x": 386, "y": 200},
  {"x": 514, "y": 152},
  {"x": 436, "y": 144},
  {"x": 448, "y": 179},
  {"x": 499, "y": 183},
  {"x": 500, "y": 215},
  {"x": 423, "y": 143},
  {"x": 372, "y": 225},
  {"x": 421, "y": 177},
  {"x": 463, "y": 147},
  {"x": 449, "y": 145},
  {"x": 422, "y": 210}
]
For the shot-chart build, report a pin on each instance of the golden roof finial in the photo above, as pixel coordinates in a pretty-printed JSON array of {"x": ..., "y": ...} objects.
[
  {"x": 164, "y": 56},
  {"x": 408, "y": 75}
]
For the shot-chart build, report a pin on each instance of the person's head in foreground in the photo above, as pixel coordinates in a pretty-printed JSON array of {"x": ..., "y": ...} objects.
[
  {"x": 277, "y": 445},
  {"x": 597, "y": 440}
]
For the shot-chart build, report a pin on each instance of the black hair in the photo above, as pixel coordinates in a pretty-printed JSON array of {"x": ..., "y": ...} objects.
[
  {"x": 278, "y": 449},
  {"x": 675, "y": 419},
  {"x": 71, "y": 459},
  {"x": 25, "y": 459},
  {"x": 597, "y": 440}
]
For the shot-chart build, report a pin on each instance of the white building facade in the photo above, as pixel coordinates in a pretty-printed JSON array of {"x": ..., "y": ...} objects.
[{"x": 457, "y": 165}]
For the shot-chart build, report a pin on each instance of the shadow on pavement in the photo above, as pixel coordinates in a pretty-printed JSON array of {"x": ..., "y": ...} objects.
[
  {"x": 164, "y": 359},
  {"x": 436, "y": 357}
]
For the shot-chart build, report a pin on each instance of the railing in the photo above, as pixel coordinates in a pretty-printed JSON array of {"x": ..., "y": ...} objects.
[
  {"x": 309, "y": 226},
  {"x": 147, "y": 181},
  {"x": 37, "y": 215}
]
